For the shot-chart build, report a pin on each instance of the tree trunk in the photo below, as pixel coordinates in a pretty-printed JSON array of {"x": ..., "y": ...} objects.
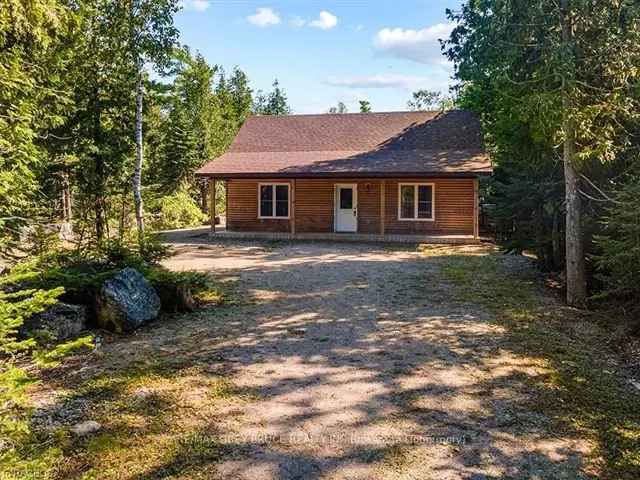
[
  {"x": 66, "y": 198},
  {"x": 137, "y": 174},
  {"x": 555, "y": 241},
  {"x": 576, "y": 279},
  {"x": 575, "y": 263}
]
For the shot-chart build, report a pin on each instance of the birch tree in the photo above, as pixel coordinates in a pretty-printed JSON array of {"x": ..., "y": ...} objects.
[{"x": 152, "y": 36}]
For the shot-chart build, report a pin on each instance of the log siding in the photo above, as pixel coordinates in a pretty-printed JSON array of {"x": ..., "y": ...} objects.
[{"x": 313, "y": 201}]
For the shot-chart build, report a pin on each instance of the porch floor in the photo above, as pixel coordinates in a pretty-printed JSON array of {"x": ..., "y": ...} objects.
[{"x": 222, "y": 233}]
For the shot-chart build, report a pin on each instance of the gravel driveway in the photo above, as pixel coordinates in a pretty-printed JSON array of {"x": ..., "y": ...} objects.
[{"x": 363, "y": 364}]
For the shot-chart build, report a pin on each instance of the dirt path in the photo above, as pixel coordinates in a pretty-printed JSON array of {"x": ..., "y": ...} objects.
[{"x": 364, "y": 364}]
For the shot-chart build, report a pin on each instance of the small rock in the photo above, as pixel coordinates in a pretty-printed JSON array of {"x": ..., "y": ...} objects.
[
  {"x": 635, "y": 383},
  {"x": 86, "y": 428},
  {"x": 143, "y": 393}
]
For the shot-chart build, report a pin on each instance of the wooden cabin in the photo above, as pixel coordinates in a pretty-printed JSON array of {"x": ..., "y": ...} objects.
[{"x": 382, "y": 174}]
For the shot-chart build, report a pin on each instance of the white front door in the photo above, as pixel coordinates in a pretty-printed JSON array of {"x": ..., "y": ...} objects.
[{"x": 346, "y": 203}]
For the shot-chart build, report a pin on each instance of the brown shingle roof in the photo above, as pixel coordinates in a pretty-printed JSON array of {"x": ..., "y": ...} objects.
[{"x": 400, "y": 143}]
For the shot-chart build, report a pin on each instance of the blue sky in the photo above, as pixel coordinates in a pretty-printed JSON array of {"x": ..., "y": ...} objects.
[{"x": 325, "y": 51}]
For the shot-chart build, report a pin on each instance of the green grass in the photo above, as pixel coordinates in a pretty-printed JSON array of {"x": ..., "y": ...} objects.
[
  {"x": 582, "y": 393},
  {"x": 150, "y": 413}
]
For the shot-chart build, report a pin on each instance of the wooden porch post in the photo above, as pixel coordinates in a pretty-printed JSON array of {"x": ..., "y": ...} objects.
[
  {"x": 476, "y": 209},
  {"x": 292, "y": 215},
  {"x": 382, "y": 206},
  {"x": 212, "y": 205}
]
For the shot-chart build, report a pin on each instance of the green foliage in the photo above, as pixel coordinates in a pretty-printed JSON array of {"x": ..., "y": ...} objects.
[
  {"x": 196, "y": 118},
  {"x": 365, "y": 106},
  {"x": 15, "y": 308},
  {"x": 76, "y": 275},
  {"x": 197, "y": 281},
  {"x": 52, "y": 358},
  {"x": 619, "y": 257},
  {"x": 178, "y": 210},
  {"x": 524, "y": 80},
  {"x": 273, "y": 103},
  {"x": 32, "y": 56},
  {"x": 425, "y": 100},
  {"x": 340, "y": 108}
]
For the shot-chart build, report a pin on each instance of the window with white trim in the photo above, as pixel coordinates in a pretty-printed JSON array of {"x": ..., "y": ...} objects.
[
  {"x": 415, "y": 201},
  {"x": 274, "y": 200}
]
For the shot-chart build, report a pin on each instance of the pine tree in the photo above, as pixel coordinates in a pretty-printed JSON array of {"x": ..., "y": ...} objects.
[{"x": 33, "y": 100}]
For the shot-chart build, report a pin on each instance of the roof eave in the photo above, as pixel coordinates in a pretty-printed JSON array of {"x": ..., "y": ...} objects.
[{"x": 259, "y": 175}]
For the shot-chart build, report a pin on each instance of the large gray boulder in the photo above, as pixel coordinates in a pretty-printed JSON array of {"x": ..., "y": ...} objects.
[
  {"x": 126, "y": 302},
  {"x": 59, "y": 322}
]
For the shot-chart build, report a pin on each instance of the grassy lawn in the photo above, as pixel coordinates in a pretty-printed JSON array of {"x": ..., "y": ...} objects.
[{"x": 161, "y": 413}]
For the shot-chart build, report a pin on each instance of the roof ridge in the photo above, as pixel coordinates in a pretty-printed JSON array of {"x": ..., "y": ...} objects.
[{"x": 393, "y": 112}]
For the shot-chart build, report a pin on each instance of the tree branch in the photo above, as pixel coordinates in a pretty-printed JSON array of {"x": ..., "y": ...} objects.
[{"x": 606, "y": 198}]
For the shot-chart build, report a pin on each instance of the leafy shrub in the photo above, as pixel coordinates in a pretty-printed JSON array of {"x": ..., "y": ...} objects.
[
  {"x": 619, "y": 260},
  {"x": 178, "y": 210}
]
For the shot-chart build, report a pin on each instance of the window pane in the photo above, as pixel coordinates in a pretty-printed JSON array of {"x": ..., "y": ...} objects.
[
  {"x": 282, "y": 201},
  {"x": 407, "y": 201},
  {"x": 425, "y": 207},
  {"x": 266, "y": 200},
  {"x": 282, "y": 208},
  {"x": 346, "y": 198},
  {"x": 282, "y": 192}
]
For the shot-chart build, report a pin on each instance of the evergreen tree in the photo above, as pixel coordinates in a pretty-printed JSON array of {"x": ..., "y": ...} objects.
[
  {"x": 182, "y": 150},
  {"x": 568, "y": 71},
  {"x": 102, "y": 79},
  {"x": 340, "y": 108},
  {"x": 273, "y": 103},
  {"x": 33, "y": 100}
]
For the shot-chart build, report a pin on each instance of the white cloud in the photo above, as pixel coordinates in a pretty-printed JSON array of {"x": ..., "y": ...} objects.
[
  {"x": 197, "y": 5},
  {"x": 418, "y": 45},
  {"x": 325, "y": 21},
  {"x": 438, "y": 80},
  {"x": 298, "y": 22},
  {"x": 358, "y": 28},
  {"x": 264, "y": 17}
]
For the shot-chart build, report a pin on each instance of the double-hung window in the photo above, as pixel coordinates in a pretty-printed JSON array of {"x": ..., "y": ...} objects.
[
  {"x": 274, "y": 200},
  {"x": 415, "y": 201}
]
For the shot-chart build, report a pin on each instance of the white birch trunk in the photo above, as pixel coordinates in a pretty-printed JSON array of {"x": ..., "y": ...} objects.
[{"x": 137, "y": 174}]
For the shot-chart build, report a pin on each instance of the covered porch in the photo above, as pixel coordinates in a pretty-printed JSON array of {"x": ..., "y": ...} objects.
[{"x": 312, "y": 208}]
